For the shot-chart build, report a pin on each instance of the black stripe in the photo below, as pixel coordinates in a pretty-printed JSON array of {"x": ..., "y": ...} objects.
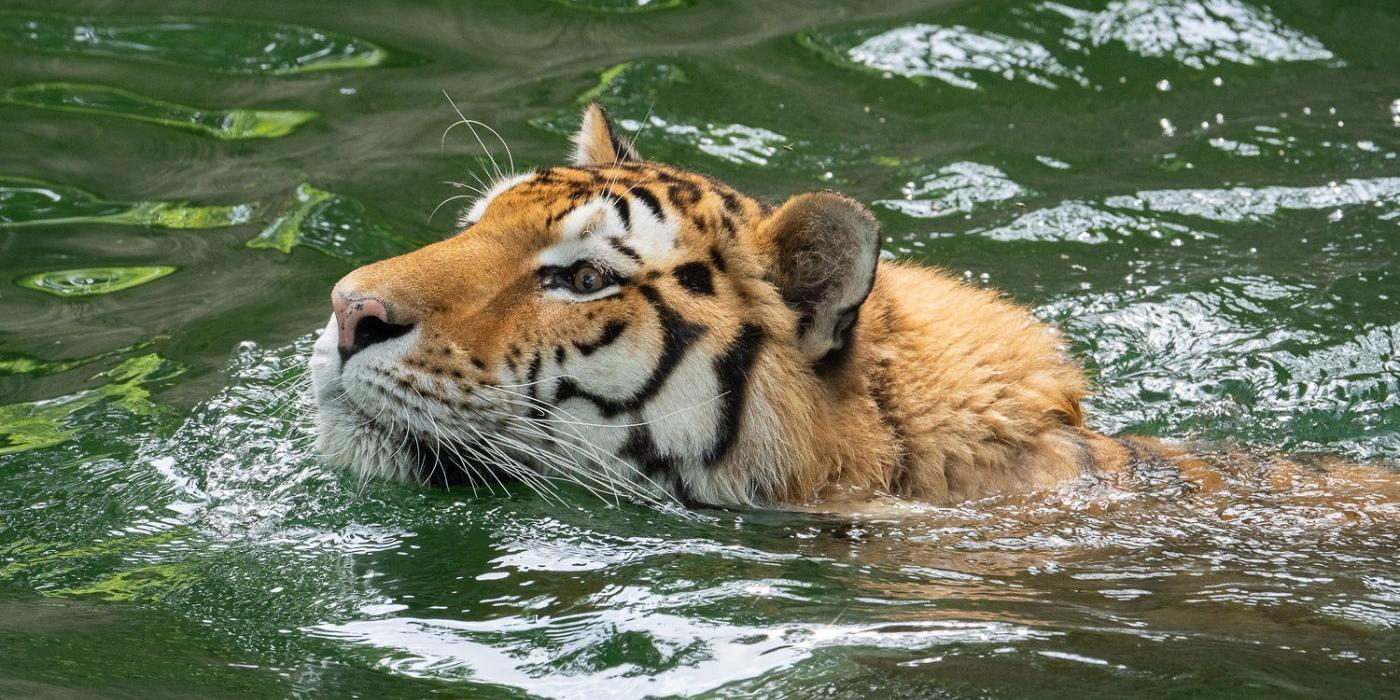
[
  {"x": 677, "y": 336},
  {"x": 695, "y": 277},
  {"x": 641, "y": 449},
  {"x": 683, "y": 195},
  {"x": 554, "y": 218},
  {"x": 625, "y": 249},
  {"x": 716, "y": 259},
  {"x": 728, "y": 225},
  {"x": 611, "y": 332},
  {"x": 1142, "y": 464},
  {"x": 544, "y": 176},
  {"x": 732, "y": 375},
  {"x": 683, "y": 494},
  {"x": 650, "y": 201},
  {"x": 532, "y": 387},
  {"x": 624, "y": 211},
  {"x": 558, "y": 354},
  {"x": 534, "y": 371}
]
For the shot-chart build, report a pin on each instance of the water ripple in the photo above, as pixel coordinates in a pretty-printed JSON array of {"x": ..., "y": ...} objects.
[
  {"x": 224, "y": 45},
  {"x": 1245, "y": 203},
  {"x": 956, "y": 55},
  {"x": 576, "y": 655},
  {"x": 1194, "y": 33},
  {"x": 955, "y": 188}
]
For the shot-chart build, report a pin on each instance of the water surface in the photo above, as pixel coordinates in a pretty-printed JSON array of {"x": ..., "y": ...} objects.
[{"x": 1204, "y": 195}]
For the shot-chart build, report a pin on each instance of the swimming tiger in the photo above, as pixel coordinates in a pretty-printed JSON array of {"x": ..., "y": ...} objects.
[{"x": 645, "y": 331}]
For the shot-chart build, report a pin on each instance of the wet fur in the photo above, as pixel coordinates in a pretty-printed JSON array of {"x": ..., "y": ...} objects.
[{"x": 752, "y": 356}]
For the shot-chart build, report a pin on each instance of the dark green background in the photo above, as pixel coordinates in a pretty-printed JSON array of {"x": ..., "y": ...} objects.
[{"x": 1230, "y": 278}]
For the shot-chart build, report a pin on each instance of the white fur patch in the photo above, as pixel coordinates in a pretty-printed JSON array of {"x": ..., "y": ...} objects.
[
  {"x": 620, "y": 370},
  {"x": 684, "y": 415},
  {"x": 654, "y": 239},
  {"x": 478, "y": 208},
  {"x": 584, "y": 234}
]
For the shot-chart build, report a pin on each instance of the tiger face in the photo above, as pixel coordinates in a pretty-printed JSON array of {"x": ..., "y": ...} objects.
[{"x": 628, "y": 327}]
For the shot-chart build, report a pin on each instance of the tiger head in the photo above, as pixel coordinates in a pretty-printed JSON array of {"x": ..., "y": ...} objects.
[{"x": 629, "y": 327}]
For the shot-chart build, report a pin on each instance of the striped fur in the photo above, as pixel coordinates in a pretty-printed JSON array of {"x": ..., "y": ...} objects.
[{"x": 741, "y": 355}]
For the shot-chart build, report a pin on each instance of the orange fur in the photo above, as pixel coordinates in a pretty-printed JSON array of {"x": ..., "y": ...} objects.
[{"x": 946, "y": 391}]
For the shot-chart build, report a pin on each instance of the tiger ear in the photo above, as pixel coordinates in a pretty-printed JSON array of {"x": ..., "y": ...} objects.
[
  {"x": 821, "y": 250},
  {"x": 597, "y": 142}
]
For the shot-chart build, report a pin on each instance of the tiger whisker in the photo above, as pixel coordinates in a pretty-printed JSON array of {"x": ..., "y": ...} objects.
[
  {"x": 509, "y": 156},
  {"x": 468, "y": 122},
  {"x": 463, "y": 185},
  {"x": 438, "y": 434},
  {"x": 595, "y": 454},
  {"x": 444, "y": 202},
  {"x": 611, "y": 458},
  {"x": 624, "y": 486},
  {"x": 570, "y": 473}
]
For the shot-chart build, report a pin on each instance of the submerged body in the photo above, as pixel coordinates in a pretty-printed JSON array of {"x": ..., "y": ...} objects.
[{"x": 641, "y": 330}]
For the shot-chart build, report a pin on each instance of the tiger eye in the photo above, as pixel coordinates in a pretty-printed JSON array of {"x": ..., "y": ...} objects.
[{"x": 587, "y": 279}]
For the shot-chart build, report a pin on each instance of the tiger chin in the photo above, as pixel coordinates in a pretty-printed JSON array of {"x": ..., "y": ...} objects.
[{"x": 639, "y": 330}]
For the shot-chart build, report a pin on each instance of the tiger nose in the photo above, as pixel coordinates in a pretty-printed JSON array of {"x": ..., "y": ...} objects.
[{"x": 363, "y": 322}]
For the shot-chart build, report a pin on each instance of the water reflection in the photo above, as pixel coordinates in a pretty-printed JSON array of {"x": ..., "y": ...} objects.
[
  {"x": 1193, "y": 33},
  {"x": 331, "y": 224},
  {"x": 955, "y": 54},
  {"x": 736, "y": 143},
  {"x": 112, "y": 102},
  {"x": 1245, "y": 203},
  {"x": 955, "y": 188},
  {"x": 1231, "y": 282},
  {"x": 563, "y": 601},
  {"x": 579, "y": 656},
  {"x": 202, "y": 42},
  {"x": 28, "y": 202}
]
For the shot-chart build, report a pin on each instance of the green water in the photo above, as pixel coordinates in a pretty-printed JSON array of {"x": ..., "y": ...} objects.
[{"x": 1204, "y": 194}]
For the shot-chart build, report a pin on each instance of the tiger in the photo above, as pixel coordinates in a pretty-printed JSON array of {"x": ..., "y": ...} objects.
[{"x": 648, "y": 332}]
